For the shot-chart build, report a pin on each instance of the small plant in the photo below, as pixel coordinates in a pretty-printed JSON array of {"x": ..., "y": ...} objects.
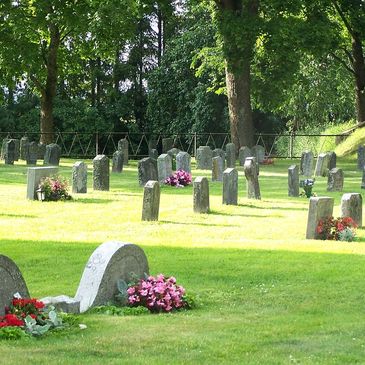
[
  {"x": 55, "y": 188},
  {"x": 307, "y": 186},
  {"x": 179, "y": 179},
  {"x": 340, "y": 229}
]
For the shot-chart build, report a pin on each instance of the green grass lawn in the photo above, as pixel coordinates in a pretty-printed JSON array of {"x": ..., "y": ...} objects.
[{"x": 268, "y": 295}]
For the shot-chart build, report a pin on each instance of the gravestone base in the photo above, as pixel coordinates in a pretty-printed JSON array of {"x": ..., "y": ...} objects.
[{"x": 63, "y": 303}]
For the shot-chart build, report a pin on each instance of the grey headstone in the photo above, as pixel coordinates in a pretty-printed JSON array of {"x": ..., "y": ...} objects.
[
  {"x": 23, "y": 143},
  {"x": 204, "y": 158},
  {"x": 41, "y": 151},
  {"x": 117, "y": 163},
  {"x": 219, "y": 152},
  {"x": 164, "y": 167},
  {"x": 17, "y": 149},
  {"x": 231, "y": 154},
  {"x": 322, "y": 165},
  {"x": 332, "y": 160},
  {"x": 52, "y": 155},
  {"x": 306, "y": 163},
  {"x": 293, "y": 180},
  {"x": 251, "y": 174},
  {"x": 79, "y": 178},
  {"x": 31, "y": 153},
  {"x": 201, "y": 195},
  {"x": 9, "y": 153},
  {"x": 35, "y": 174},
  {"x": 11, "y": 282},
  {"x": 230, "y": 186},
  {"x": 183, "y": 161},
  {"x": 335, "y": 180},
  {"x": 351, "y": 206},
  {"x": 3, "y": 147},
  {"x": 151, "y": 201},
  {"x": 173, "y": 152},
  {"x": 109, "y": 263},
  {"x": 361, "y": 158},
  {"x": 123, "y": 146},
  {"x": 319, "y": 208},
  {"x": 258, "y": 152},
  {"x": 63, "y": 303},
  {"x": 217, "y": 168},
  {"x": 147, "y": 170},
  {"x": 101, "y": 176},
  {"x": 243, "y": 153},
  {"x": 153, "y": 153},
  {"x": 167, "y": 144}
]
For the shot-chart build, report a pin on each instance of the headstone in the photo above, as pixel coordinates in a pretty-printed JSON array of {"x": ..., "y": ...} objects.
[
  {"x": 151, "y": 201},
  {"x": 63, "y": 303},
  {"x": 147, "y": 170},
  {"x": 79, "y": 178},
  {"x": 52, "y": 155},
  {"x": 109, "y": 263},
  {"x": 173, "y": 152},
  {"x": 253, "y": 187},
  {"x": 351, "y": 206},
  {"x": 361, "y": 158},
  {"x": 219, "y": 152},
  {"x": 11, "y": 282},
  {"x": 319, "y": 208},
  {"x": 3, "y": 147},
  {"x": 230, "y": 186},
  {"x": 17, "y": 149},
  {"x": 231, "y": 154},
  {"x": 153, "y": 153},
  {"x": 332, "y": 160},
  {"x": 201, "y": 195},
  {"x": 164, "y": 167},
  {"x": 217, "y": 168},
  {"x": 167, "y": 144},
  {"x": 35, "y": 174},
  {"x": 306, "y": 163},
  {"x": 293, "y": 180},
  {"x": 335, "y": 180},
  {"x": 183, "y": 161},
  {"x": 243, "y": 153},
  {"x": 123, "y": 146},
  {"x": 204, "y": 158},
  {"x": 41, "y": 151},
  {"x": 31, "y": 153},
  {"x": 9, "y": 153},
  {"x": 23, "y": 150},
  {"x": 101, "y": 173},
  {"x": 117, "y": 163},
  {"x": 321, "y": 166},
  {"x": 258, "y": 152}
]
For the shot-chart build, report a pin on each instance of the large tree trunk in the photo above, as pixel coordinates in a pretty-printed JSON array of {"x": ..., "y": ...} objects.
[
  {"x": 49, "y": 92},
  {"x": 359, "y": 70}
]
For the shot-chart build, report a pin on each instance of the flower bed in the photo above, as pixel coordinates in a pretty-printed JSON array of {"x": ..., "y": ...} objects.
[
  {"x": 339, "y": 229},
  {"x": 179, "y": 179}
]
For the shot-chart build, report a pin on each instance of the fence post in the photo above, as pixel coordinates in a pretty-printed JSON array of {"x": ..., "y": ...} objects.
[
  {"x": 291, "y": 145},
  {"x": 96, "y": 143}
]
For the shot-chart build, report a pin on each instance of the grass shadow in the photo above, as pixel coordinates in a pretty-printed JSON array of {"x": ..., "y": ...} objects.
[
  {"x": 215, "y": 212},
  {"x": 198, "y": 224},
  {"x": 17, "y": 215},
  {"x": 92, "y": 201},
  {"x": 270, "y": 208}
]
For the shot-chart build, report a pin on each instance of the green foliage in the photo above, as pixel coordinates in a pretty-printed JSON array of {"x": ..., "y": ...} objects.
[
  {"x": 351, "y": 143},
  {"x": 12, "y": 333},
  {"x": 120, "y": 311}
]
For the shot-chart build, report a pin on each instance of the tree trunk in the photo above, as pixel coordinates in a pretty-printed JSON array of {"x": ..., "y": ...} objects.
[
  {"x": 359, "y": 70},
  {"x": 49, "y": 92}
]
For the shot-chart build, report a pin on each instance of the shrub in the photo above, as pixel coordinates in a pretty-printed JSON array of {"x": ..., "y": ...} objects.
[{"x": 340, "y": 229}]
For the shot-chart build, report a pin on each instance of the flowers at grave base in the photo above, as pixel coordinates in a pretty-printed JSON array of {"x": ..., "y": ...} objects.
[
  {"x": 55, "y": 188},
  {"x": 307, "y": 186},
  {"x": 339, "y": 229},
  {"x": 268, "y": 161},
  {"x": 179, "y": 178}
]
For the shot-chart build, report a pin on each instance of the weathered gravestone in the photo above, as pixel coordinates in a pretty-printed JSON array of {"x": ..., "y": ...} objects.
[
  {"x": 351, "y": 206},
  {"x": 79, "y": 178},
  {"x": 319, "y": 208},
  {"x": 253, "y": 187},
  {"x": 306, "y": 163},
  {"x": 52, "y": 155},
  {"x": 147, "y": 170},
  {"x": 361, "y": 158},
  {"x": 201, "y": 195},
  {"x": 167, "y": 144},
  {"x": 322, "y": 165},
  {"x": 332, "y": 160},
  {"x": 23, "y": 147},
  {"x": 230, "y": 186},
  {"x": 335, "y": 180},
  {"x": 35, "y": 174},
  {"x": 219, "y": 152},
  {"x": 258, "y": 152},
  {"x": 17, "y": 149},
  {"x": 231, "y": 154},
  {"x": 243, "y": 153},
  {"x": 173, "y": 153},
  {"x": 183, "y": 161},
  {"x": 204, "y": 158},
  {"x": 41, "y": 151},
  {"x": 11, "y": 282},
  {"x": 153, "y": 153},
  {"x": 217, "y": 168},
  {"x": 9, "y": 153},
  {"x": 164, "y": 167},
  {"x": 109, "y": 263},
  {"x": 3, "y": 147},
  {"x": 293, "y": 180},
  {"x": 117, "y": 163},
  {"x": 101, "y": 174},
  {"x": 123, "y": 147},
  {"x": 151, "y": 201},
  {"x": 31, "y": 153}
]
